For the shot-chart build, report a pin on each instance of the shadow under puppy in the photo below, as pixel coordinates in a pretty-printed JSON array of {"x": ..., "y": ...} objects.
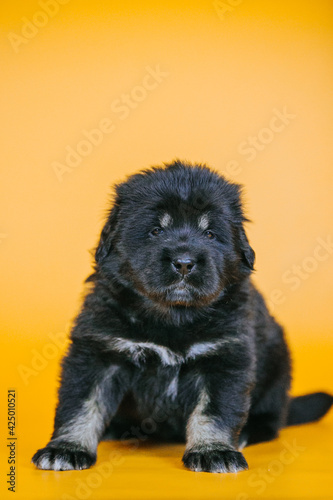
[{"x": 174, "y": 332}]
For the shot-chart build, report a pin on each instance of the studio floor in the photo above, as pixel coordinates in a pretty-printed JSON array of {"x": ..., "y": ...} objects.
[{"x": 298, "y": 465}]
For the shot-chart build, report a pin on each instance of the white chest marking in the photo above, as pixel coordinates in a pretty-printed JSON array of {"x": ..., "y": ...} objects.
[
  {"x": 140, "y": 350},
  {"x": 207, "y": 348}
]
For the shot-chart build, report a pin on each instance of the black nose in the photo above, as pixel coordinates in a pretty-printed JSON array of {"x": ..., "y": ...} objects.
[{"x": 183, "y": 265}]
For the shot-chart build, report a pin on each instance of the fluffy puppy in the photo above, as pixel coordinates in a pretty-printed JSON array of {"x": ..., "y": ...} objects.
[{"x": 173, "y": 340}]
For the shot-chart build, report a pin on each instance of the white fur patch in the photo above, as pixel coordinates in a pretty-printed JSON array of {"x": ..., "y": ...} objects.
[
  {"x": 44, "y": 463},
  {"x": 242, "y": 444},
  {"x": 140, "y": 350},
  {"x": 204, "y": 348},
  {"x": 165, "y": 220},
  {"x": 61, "y": 464},
  {"x": 172, "y": 390},
  {"x": 203, "y": 221}
]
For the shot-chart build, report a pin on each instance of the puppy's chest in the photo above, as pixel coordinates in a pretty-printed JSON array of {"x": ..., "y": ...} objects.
[
  {"x": 156, "y": 385},
  {"x": 145, "y": 353}
]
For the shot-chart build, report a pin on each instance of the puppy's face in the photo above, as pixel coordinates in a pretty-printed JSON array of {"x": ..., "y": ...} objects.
[
  {"x": 176, "y": 236},
  {"x": 176, "y": 254}
]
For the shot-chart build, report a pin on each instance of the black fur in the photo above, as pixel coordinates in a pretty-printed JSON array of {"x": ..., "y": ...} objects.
[{"x": 173, "y": 340}]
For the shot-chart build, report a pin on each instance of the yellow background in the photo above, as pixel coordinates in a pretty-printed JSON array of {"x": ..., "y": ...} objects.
[{"x": 224, "y": 74}]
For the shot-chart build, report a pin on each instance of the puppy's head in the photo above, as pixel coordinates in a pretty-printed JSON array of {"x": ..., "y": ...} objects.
[{"x": 175, "y": 235}]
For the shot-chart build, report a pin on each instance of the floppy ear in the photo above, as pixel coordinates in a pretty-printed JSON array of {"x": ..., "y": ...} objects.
[
  {"x": 248, "y": 255},
  {"x": 105, "y": 242}
]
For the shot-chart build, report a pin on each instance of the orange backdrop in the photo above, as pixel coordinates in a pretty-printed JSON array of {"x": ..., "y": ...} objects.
[{"x": 94, "y": 91}]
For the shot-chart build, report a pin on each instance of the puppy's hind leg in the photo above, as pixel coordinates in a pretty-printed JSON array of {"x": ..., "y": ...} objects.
[
  {"x": 89, "y": 396},
  {"x": 259, "y": 428},
  {"x": 268, "y": 416}
]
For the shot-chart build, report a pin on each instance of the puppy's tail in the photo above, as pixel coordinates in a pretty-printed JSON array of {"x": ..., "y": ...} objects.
[{"x": 309, "y": 408}]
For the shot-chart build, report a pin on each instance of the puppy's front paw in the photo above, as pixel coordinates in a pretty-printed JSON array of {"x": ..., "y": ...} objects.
[
  {"x": 214, "y": 460},
  {"x": 65, "y": 456}
]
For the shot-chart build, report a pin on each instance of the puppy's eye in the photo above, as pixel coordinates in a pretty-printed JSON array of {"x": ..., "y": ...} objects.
[
  {"x": 156, "y": 231},
  {"x": 210, "y": 235}
]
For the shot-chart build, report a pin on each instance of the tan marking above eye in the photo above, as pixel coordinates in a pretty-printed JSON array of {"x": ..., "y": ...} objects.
[
  {"x": 165, "y": 220},
  {"x": 203, "y": 221}
]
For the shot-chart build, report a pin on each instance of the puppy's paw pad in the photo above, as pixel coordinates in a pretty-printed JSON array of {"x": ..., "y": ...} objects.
[
  {"x": 215, "y": 461},
  {"x": 63, "y": 458}
]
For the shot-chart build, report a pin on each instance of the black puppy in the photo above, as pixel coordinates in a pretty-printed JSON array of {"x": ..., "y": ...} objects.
[{"x": 173, "y": 335}]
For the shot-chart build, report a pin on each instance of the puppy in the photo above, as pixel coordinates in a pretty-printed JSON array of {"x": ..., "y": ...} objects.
[{"x": 173, "y": 338}]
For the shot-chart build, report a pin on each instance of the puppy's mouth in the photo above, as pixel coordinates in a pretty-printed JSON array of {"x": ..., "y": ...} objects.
[{"x": 180, "y": 293}]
